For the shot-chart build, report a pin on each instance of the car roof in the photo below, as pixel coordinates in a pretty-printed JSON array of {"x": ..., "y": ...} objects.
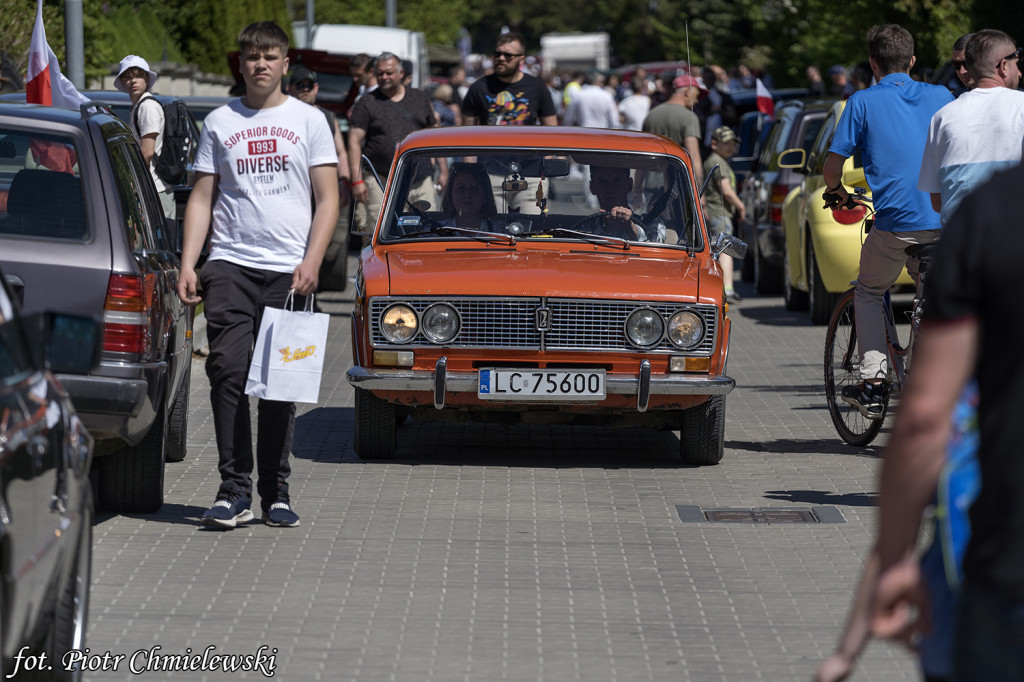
[
  {"x": 43, "y": 112},
  {"x": 540, "y": 136}
]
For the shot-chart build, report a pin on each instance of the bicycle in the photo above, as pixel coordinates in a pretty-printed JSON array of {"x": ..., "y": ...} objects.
[{"x": 842, "y": 361}]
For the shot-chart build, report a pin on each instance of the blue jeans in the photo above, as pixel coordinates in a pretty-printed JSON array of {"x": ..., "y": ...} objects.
[{"x": 989, "y": 642}]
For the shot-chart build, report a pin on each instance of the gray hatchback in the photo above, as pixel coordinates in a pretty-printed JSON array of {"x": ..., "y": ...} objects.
[
  {"x": 796, "y": 124},
  {"x": 82, "y": 230}
]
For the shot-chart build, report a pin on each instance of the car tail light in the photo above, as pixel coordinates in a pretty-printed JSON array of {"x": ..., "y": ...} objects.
[
  {"x": 849, "y": 216},
  {"x": 127, "y": 314},
  {"x": 779, "y": 193}
]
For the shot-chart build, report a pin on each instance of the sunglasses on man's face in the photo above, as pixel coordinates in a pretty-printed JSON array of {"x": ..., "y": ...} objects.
[
  {"x": 304, "y": 86},
  {"x": 958, "y": 64},
  {"x": 498, "y": 54},
  {"x": 1016, "y": 54}
]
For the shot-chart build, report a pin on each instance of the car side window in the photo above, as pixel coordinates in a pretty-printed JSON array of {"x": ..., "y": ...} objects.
[{"x": 133, "y": 203}]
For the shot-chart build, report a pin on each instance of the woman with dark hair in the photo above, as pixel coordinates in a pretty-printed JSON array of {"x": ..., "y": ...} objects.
[{"x": 468, "y": 201}]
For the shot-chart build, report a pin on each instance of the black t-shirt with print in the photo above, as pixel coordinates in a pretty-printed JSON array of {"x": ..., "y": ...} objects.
[
  {"x": 975, "y": 275},
  {"x": 387, "y": 122},
  {"x": 497, "y": 103}
]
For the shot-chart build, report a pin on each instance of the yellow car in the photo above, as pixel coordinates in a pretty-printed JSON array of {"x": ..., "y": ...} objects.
[{"x": 822, "y": 247}]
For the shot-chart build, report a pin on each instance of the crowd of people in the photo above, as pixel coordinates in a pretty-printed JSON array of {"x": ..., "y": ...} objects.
[{"x": 943, "y": 170}]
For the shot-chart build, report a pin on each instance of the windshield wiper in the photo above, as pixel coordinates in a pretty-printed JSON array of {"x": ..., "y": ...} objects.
[
  {"x": 598, "y": 239},
  {"x": 479, "y": 235}
]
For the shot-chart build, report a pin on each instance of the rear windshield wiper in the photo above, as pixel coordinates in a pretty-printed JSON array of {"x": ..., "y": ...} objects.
[
  {"x": 479, "y": 235},
  {"x": 598, "y": 239}
]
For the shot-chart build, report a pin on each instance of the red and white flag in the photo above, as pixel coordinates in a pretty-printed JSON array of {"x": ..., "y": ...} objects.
[
  {"x": 765, "y": 102},
  {"x": 45, "y": 83}
]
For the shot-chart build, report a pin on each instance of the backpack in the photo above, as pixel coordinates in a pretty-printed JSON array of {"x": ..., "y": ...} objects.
[{"x": 179, "y": 144}]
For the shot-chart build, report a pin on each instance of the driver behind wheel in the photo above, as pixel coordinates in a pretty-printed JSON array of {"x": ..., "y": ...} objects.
[
  {"x": 468, "y": 201},
  {"x": 612, "y": 185}
]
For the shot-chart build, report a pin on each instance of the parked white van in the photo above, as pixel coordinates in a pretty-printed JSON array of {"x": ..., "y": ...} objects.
[{"x": 352, "y": 39}]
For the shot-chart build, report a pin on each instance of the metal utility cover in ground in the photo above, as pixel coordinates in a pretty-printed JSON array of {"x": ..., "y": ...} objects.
[{"x": 692, "y": 513}]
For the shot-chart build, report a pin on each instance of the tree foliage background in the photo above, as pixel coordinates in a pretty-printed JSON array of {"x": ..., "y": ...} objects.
[{"x": 781, "y": 36}]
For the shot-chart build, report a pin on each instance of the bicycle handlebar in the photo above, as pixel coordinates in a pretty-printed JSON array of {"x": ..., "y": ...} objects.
[{"x": 858, "y": 197}]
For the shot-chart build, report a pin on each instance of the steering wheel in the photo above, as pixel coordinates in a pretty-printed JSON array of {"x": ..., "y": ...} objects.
[{"x": 633, "y": 218}]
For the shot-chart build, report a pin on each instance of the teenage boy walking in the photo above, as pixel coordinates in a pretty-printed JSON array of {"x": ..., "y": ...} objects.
[{"x": 259, "y": 158}]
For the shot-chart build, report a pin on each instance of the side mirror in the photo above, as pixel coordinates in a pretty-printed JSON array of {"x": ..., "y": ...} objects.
[
  {"x": 730, "y": 246},
  {"x": 64, "y": 343},
  {"x": 793, "y": 158}
]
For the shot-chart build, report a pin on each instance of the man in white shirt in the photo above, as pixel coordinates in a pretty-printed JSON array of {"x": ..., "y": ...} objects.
[
  {"x": 980, "y": 132},
  {"x": 260, "y": 159},
  {"x": 592, "y": 107}
]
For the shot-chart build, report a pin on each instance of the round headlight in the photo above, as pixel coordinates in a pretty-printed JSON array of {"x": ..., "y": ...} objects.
[
  {"x": 399, "y": 323},
  {"x": 685, "y": 329},
  {"x": 644, "y": 328},
  {"x": 440, "y": 323}
]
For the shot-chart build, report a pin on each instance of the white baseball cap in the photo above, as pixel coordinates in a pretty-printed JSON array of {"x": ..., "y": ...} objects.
[{"x": 132, "y": 61}]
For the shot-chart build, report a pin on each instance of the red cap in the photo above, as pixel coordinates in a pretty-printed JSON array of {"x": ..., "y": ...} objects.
[{"x": 688, "y": 80}]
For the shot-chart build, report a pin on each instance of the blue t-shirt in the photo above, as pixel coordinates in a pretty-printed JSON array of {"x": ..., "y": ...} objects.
[{"x": 889, "y": 123}]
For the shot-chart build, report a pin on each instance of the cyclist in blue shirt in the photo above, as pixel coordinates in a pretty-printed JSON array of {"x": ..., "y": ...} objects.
[{"x": 888, "y": 124}]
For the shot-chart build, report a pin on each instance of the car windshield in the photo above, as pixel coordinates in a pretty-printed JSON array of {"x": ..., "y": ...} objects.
[
  {"x": 605, "y": 197},
  {"x": 40, "y": 187}
]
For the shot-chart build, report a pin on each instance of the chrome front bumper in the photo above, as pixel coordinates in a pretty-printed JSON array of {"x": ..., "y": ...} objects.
[{"x": 440, "y": 381}]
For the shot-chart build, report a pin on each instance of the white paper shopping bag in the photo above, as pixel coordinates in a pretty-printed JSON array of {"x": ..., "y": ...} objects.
[{"x": 288, "y": 359}]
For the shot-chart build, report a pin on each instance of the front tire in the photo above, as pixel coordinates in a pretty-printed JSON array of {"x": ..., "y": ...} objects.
[
  {"x": 820, "y": 299},
  {"x": 131, "y": 479},
  {"x": 842, "y": 368},
  {"x": 67, "y": 632},
  {"x": 793, "y": 297},
  {"x": 702, "y": 441},
  {"x": 376, "y": 426},
  {"x": 177, "y": 420},
  {"x": 767, "y": 277}
]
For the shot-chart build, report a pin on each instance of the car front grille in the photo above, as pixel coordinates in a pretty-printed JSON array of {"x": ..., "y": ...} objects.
[{"x": 575, "y": 324}]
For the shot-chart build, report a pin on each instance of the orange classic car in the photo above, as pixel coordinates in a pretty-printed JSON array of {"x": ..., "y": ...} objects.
[{"x": 541, "y": 275}]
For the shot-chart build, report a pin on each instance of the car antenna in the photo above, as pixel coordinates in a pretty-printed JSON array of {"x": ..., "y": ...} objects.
[{"x": 693, "y": 238}]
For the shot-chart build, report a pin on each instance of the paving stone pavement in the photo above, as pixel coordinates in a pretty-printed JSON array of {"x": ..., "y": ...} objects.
[{"x": 532, "y": 553}]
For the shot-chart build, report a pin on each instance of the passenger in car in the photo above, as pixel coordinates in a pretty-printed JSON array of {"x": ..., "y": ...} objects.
[{"x": 468, "y": 201}]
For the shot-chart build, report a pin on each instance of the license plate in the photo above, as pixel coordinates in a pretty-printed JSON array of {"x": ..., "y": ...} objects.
[{"x": 541, "y": 384}]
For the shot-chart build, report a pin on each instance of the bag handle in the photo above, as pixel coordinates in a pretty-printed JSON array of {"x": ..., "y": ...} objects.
[{"x": 289, "y": 302}]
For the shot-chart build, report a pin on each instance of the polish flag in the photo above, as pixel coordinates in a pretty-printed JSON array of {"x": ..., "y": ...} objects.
[
  {"x": 45, "y": 83},
  {"x": 765, "y": 102}
]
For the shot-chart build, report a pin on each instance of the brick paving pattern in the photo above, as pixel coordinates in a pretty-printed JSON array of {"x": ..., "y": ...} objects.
[{"x": 520, "y": 554}]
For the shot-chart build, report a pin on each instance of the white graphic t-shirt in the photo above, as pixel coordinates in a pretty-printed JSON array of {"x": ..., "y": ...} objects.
[{"x": 262, "y": 211}]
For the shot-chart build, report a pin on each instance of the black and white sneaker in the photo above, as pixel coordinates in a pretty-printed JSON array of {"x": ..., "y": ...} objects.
[
  {"x": 280, "y": 514},
  {"x": 868, "y": 398},
  {"x": 228, "y": 511}
]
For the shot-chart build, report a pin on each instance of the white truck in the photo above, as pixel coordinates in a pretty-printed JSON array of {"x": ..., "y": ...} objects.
[
  {"x": 576, "y": 51},
  {"x": 352, "y": 39}
]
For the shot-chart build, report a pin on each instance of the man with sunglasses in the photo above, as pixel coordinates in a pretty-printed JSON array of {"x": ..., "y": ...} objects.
[
  {"x": 959, "y": 64},
  {"x": 509, "y": 96},
  {"x": 980, "y": 132},
  {"x": 302, "y": 86}
]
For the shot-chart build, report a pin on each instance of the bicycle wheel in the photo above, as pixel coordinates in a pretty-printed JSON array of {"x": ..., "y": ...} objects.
[{"x": 842, "y": 368}]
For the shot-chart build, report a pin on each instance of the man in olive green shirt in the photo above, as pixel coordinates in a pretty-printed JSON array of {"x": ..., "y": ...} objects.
[
  {"x": 720, "y": 198},
  {"x": 676, "y": 120}
]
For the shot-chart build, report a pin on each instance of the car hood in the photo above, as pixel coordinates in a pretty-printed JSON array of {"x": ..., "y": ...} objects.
[{"x": 527, "y": 272}]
